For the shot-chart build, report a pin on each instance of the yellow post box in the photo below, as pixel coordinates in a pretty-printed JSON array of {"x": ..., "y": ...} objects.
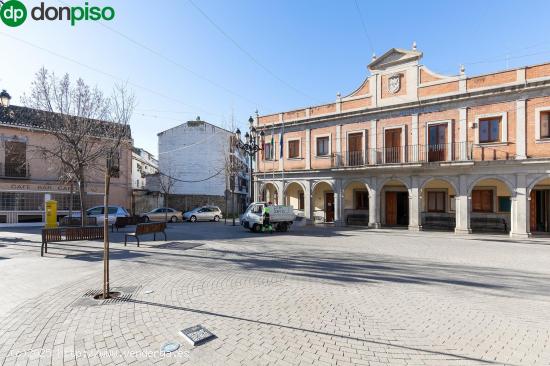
[{"x": 51, "y": 214}]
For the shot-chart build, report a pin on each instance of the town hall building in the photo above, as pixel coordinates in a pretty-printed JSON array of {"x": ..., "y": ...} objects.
[{"x": 413, "y": 148}]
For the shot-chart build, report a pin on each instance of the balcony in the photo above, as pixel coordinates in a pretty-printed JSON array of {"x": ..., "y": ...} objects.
[
  {"x": 15, "y": 171},
  {"x": 415, "y": 154}
]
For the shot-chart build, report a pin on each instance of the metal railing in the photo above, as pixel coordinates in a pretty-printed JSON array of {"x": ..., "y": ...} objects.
[{"x": 15, "y": 170}]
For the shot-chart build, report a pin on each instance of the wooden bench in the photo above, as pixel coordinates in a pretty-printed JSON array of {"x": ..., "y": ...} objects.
[
  {"x": 69, "y": 234},
  {"x": 148, "y": 228},
  {"x": 357, "y": 219},
  {"x": 490, "y": 223},
  {"x": 438, "y": 221},
  {"x": 75, "y": 221},
  {"x": 125, "y": 221}
]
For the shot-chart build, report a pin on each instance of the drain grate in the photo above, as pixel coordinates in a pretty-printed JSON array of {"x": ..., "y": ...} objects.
[{"x": 87, "y": 298}]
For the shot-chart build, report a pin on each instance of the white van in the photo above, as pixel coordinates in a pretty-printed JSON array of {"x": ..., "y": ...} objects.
[{"x": 280, "y": 216}]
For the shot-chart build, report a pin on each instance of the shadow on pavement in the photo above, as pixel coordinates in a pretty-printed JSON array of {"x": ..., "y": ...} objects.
[{"x": 372, "y": 341}]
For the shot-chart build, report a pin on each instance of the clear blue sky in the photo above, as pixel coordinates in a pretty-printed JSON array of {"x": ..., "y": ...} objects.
[{"x": 319, "y": 48}]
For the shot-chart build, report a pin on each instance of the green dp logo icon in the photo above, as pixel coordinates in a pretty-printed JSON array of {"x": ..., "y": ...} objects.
[{"x": 13, "y": 13}]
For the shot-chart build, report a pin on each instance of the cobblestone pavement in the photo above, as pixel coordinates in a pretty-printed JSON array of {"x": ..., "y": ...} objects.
[{"x": 313, "y": 296}]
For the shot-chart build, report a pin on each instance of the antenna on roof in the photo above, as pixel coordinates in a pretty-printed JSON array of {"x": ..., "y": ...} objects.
[
  {"x": 414, "y": 45},
  {"x": 462, "y": 69},
  {"x": 373, "y": 56}
]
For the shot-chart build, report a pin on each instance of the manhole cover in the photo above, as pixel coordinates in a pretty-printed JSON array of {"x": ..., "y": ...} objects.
[{"x": 170, "y": 347}]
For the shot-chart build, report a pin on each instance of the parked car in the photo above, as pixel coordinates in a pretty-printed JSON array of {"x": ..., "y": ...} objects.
[
  {"x": 162, "y": 214},
  {"x": 205, "y": 213},
  {"x": 97, "y": 212}
]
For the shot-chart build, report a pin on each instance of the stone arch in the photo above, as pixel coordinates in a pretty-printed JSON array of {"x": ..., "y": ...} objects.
[
  {"x": 394, "y": 201},
  {"x": 486, "y": 207},
  {"x": 316, "y": 183},
  {"x": 355, "y": 201},
  {"x": 269, "y": 192},
  {"x": 295, "y": 195},
  {"x": 501, "y": 178},
  {"x": 405, "y": 181},
  {"x": 535, "y": 181},
  {"x": 323, "y": 209},
  {"x": 538, "y": 211},
  {"x": 448, "y": 180}
]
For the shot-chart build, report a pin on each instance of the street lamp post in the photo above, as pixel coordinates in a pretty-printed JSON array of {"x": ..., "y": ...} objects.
[
  {"x": 250, "y": 147},
  {"x": 5, "y": 99}
]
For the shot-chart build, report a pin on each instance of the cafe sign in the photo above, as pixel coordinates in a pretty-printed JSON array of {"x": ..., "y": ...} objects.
[{"x": 34, "y": 187}]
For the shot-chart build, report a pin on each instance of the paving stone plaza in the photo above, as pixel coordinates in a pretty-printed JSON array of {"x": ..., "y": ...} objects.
[{"x": 313, "y": 296}]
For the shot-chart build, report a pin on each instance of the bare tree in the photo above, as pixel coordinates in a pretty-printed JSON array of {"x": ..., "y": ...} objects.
[
  {"x": 73, "y": 114},
  {"x": 166, "y": 184},
  {"x": 89, "y": 131},
  {"x": 117, "y": 134}
]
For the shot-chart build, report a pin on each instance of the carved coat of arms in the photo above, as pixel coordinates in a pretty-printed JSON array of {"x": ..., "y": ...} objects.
[{"x": 394, "y": 83}]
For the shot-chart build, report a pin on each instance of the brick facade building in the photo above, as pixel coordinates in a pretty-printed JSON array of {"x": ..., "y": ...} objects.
[
  {"x": 413, "y": 148},
  {"x": 26, "y": 177}
]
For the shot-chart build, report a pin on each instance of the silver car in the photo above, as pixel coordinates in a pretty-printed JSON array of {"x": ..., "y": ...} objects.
[
  {"x": 97, "y": 212},
  {"x": 161, "y": 214},
  {"x": 205, "y": 213}
]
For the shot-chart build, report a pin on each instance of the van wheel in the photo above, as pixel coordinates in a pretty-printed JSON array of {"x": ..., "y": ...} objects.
[
  {"x": 193, "y": 218},
  {"x": 256, "y": 228}
]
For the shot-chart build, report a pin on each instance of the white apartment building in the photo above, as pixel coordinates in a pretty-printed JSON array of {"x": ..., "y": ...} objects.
[
  {"x": 196, "y": 153},
  {"x": 143, "y": 164}
]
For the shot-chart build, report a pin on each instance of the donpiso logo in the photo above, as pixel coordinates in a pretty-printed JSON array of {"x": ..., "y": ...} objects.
[{"x": 14, "y": 13}]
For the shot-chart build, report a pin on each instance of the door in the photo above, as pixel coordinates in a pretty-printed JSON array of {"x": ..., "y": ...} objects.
[
  {"x": 533, "y": 211},
  {"x": 393, "y": 145},
  {"x": 402, "y": 208},
  {"x": 391, "y": 208},
  {"x": 329, "y": 207},
  {"x": 355, "y": 149},
  {"x": 437, "y": 147},
  {"x": 541, "y": 210}
]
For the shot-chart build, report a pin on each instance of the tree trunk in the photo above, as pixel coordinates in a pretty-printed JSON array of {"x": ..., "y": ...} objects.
[
  {"x": 71, "y": 202},
  {"x": 82, "y": 194},
  {"x": 106, "y": 286},
  {"x": 233, "y": 205}
]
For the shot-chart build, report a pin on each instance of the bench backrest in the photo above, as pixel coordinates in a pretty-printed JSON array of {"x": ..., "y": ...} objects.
[
  {"x": 84, "y": 233},
  {"x": 153, "y": 227},
  {"x": 75, "y": 221},
  {"x": 72, "y": 233}
]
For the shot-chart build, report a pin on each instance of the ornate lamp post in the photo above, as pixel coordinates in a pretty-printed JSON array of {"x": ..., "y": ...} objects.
[
  {"x": 5, "y": 99},
  {"x": 250, "y": 147}
]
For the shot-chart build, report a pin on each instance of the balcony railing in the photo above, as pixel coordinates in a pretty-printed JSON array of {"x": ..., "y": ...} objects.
[
  {"x": 410, "y": 154},
  {"x": 15, "y": 170}
]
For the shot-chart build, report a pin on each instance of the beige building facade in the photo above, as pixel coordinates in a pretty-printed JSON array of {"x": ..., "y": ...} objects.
[
  {"x": 413, "y": 148},
  {"x": 27, "y": 178}
]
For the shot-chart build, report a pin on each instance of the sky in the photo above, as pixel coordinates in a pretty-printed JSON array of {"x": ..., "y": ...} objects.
[{"x": 223, "y": 60}]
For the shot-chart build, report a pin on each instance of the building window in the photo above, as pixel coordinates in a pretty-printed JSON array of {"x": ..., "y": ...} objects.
[
  {"x": 436, "y": 201},
  {"x": 361, "y": 200},
  {"x": 294, "y": 149},
  {"x": 489, "y": 130},
  {"x": 268, "y": 151},
  {"x": 504, "y": 204},
  {"x": 15, "y": 159},
  {"x": 482, "y": 200},
  {"x": 301, "y": 201},
  {"x": 323, "y": 146},
  {"x": 545, "y": 125}
]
